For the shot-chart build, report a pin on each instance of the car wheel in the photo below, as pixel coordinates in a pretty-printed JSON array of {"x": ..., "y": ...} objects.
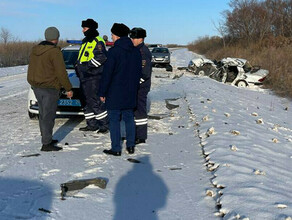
[
  {"x": 33, "y": 116},
  {"x": 241, "y": 83}
]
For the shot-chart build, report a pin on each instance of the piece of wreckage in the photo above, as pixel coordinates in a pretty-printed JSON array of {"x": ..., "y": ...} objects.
[
  {"x": 72, "y": 187},
  {"x": 234, "y": 71}
]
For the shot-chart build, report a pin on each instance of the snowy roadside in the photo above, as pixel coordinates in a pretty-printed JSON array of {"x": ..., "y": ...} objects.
[
  {"x": 219, "y": 144},
  {"x": 11, "y": 71}
]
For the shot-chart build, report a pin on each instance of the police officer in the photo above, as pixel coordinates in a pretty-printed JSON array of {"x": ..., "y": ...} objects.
[
  {"x": 137, "y": 35},
  {"x": 89, "y": 67}
]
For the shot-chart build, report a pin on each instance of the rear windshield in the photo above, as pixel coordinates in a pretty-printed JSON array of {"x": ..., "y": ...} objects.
[
  {"x": 160, "y": 50},
  {"x": 70, "y": 57}
]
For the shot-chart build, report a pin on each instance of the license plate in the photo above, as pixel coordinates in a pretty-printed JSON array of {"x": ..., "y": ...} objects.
[{"x": 69, "y": 102}]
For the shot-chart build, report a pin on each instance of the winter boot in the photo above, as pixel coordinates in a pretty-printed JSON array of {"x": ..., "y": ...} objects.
[{"x": 50, "y": 147}]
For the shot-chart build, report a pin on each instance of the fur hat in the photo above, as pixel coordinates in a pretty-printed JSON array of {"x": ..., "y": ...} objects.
[
  {"x": 120, "y": 30},
  {"x": 90, "y": 23},
  {"x": 52, "y": 33},
  {"x": 137, "y": 33}
]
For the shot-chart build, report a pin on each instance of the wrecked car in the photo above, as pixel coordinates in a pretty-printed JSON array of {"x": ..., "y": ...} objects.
[
  {"x": 201, "y": 66},
  {"x": 239, "y": 72}
]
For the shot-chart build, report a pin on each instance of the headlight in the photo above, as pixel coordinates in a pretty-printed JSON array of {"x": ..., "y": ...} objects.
[
  {"x": 32, "y": 102},
  {"x": 167, "y": 57}
]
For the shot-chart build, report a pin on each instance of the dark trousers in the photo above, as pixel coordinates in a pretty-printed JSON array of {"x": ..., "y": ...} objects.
[
  {"x": 115, "y": 117},
  {"x": 47, "y": 102},
  {"x": 94, "y": 110},
  {"x": 141, "y": 117}
]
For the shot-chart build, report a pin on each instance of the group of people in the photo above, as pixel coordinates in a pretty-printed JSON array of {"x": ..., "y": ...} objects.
[{"x": 114, "y": 84}]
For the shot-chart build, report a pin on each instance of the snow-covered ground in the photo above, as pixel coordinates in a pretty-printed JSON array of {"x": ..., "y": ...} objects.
[{"x": 221, "y": 151}]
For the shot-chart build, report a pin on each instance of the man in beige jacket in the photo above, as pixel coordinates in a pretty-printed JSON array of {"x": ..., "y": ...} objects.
[{"x": 46, "y": 75}]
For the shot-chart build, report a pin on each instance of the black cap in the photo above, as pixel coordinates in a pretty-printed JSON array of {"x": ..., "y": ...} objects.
[
  {"x": 90, "y": 23},
  {"x": 120, "y": 30},
  {"x": 137, "y": 33}
]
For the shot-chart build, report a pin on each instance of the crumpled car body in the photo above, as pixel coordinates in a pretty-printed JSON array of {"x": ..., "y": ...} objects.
[
  {"x": 234, "y": 71},
  {"x": 201, "y": 66}
]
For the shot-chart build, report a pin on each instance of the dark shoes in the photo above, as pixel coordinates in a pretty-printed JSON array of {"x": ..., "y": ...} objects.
[
  {"x": 114, "y": 153},
  {"x": 140, "y": 141},
  {"x": 87, "y": 128},
  {"x": 131, "y": 150},
  {"x": 102, "y": 130},
  {"x": 55, "y": 141},
  {"x": 50, "y": 147}
]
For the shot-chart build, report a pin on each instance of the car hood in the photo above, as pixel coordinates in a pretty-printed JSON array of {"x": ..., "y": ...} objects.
[{"x": 74, "y": 80}]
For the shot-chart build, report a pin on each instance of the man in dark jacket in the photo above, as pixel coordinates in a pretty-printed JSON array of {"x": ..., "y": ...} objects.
[
  {"x": 46, "y": 75},
  {"x": 119, "y": 86},
  {"x": 137, "y": 35},
  {"x": 89, "y": 67}
]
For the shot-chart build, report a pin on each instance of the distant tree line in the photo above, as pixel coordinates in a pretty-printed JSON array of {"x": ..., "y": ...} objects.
[
  {"x": 259, "y": 31},
  {"x": 251, "y": 21}
]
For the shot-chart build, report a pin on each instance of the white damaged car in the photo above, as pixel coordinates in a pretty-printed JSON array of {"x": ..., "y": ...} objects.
[
  {"x": 239, "y": 72},
  {"x": 234, "y": 71}
]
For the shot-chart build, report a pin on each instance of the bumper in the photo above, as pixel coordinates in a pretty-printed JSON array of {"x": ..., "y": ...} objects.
[{"x": 35, "y": 110}]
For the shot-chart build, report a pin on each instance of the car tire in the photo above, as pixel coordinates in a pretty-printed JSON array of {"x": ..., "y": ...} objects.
[
  {"x": 241, "y": 83},
  {"x": 33, "y": 116}
]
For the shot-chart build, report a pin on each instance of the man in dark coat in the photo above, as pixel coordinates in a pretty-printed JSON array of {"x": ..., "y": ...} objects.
[
  {"x": 137, "y": 35},
  {"x": 119, "y": 86},
  {"x": 89, "y": 67},
  {"x": 46, "y": 75}
]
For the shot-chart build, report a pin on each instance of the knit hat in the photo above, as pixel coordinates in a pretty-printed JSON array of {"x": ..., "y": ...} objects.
[
  {"x": 120, "y": 30},
  {"x": 90, "y": 23},
  {"x": 52, "y": 33},
  {"x": 137, "y": 33}
]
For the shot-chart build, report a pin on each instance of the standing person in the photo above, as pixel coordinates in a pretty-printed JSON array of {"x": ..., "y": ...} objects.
[
  {"x": 89, "y": 67},
  {"x": 119, "y": 86},
  {"x": 137, "y": 35},
  {"x": 46, "y": 75}
]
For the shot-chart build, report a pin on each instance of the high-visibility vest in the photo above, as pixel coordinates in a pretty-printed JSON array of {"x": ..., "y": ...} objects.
[{"x": 86, "y": 50}]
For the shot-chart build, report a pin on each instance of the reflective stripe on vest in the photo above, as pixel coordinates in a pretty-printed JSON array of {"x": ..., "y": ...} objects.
[{"x": 86, "y": 50}]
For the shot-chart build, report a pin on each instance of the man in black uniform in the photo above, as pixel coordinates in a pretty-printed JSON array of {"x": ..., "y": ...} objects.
[
  {"x": 137, "y": 35},
  {"x": 89, "y": 67}
]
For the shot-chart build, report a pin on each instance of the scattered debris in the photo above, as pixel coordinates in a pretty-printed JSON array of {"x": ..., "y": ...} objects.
[
  {"x": 211, "y": 131},
  {"x": 235, "y": 132},
  {"x": 132, "y": 160},
  {"x": 178, "y": 76},
  {"x": 254, "y": 114},
  {"x": 227, "y": 115},
  {"x": 31, "y": 155},
  {"x": 175, "y": 168},
  {"x": 275, "y": 140},
  {"x": 260, "y": 121},
  {"x": 170, "y": 106},
  {"x": 44, "y": 210},
  {"x": 157, "y": 116},
  {"x": 233, "y": 148},
  {"x": 162, "y": 76},
  {"x": 258, "y": 172},
  {"x": 206, "y": 118},
  {"x": 81, "y": 184},
  {"x": 181, "y": 126},
  {"x": 210, "y": 193},
  {"x": 281, "y": 206}
]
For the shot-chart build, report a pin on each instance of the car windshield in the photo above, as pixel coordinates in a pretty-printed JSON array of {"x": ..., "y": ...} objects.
[
  {"x": 70, "y": 57},
  {"x": 160, "y": 50}
]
